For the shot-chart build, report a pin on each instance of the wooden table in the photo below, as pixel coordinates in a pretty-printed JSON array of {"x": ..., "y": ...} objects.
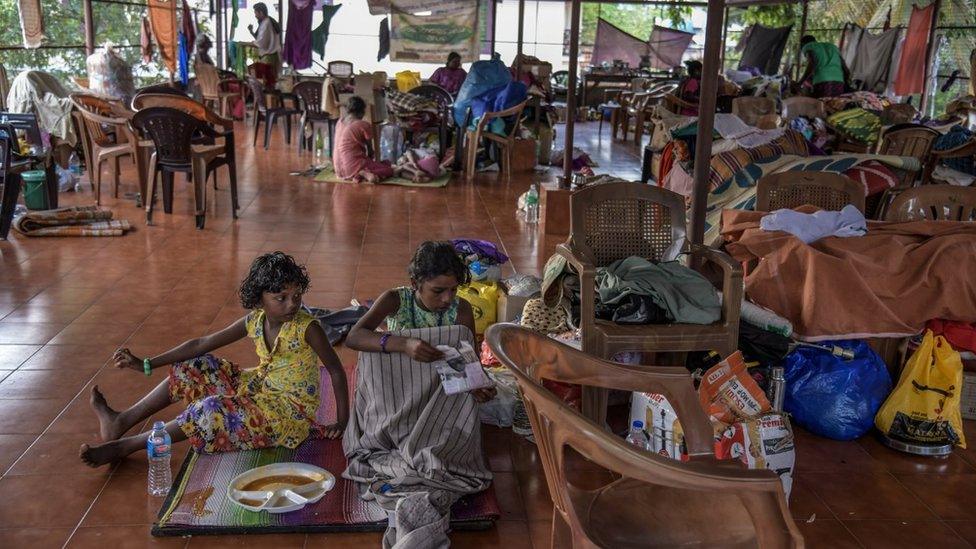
[{"x": 593, "y": 82}]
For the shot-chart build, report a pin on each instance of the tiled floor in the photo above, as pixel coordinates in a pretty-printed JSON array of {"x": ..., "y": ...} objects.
[{"x": 65, "y": 304}]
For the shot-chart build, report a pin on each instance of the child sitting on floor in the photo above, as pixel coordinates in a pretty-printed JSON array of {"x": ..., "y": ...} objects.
[
  {"x": 431, "y": 300},
  {"x": 229, "y": 408}
]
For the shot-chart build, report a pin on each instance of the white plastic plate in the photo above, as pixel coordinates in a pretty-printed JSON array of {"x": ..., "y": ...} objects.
[{"x": 281, "y": 499}]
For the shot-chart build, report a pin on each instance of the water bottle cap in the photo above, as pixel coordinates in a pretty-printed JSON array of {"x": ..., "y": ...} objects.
[
  {"x": 638, "y": 424},
  {"x": 159, "y": 425}
]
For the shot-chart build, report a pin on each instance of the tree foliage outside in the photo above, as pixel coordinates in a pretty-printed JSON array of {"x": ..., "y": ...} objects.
[
  {"x": 635, "y": 19},
  {"x": 64, "y": 29}
]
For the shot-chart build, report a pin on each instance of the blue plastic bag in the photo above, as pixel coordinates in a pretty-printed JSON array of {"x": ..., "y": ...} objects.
[
  {"x": 483, "y": 76},
  {"x": 833, "y": 397}
]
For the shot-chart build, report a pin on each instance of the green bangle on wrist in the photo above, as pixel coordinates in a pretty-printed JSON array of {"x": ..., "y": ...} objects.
[{"x": 146, "y": 367}]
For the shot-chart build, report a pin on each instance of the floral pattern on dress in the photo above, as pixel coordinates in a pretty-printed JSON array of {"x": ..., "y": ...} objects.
[{"x": 229, "y": 408}]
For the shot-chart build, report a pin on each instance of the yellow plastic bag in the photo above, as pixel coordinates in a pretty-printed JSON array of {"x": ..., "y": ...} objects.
[
  {"x": 924, "y": 407},
  {"x": 483, "y": 297},
  {"x": 407, "y": 80}
]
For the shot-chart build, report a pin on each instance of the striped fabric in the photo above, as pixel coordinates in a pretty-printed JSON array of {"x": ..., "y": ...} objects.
[
  {"x": 71, "y": 221},
  {"x": 725, "y": 165},
  {"x": 412, "y": 448},
  {"x": 405, "y": 431}
]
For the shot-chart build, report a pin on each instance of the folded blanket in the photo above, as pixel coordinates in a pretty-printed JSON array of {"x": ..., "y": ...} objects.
[
  {"x": 72, "y": 221},
  {"x": 887, "y": 283}
]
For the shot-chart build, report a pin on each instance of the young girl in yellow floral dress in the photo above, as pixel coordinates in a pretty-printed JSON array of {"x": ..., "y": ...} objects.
[{"x": 229, "y": 408}]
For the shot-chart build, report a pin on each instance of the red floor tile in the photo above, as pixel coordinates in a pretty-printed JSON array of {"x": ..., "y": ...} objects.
[{"x": 889, "y": 534}]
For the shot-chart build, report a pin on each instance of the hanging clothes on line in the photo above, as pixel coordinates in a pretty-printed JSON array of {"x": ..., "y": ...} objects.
[
  {"x": 184, "y": 58},
  {"x": 911, "y": 69},
  {"x": 31, "y": 23},
  {"x": 162, "y": 18},
  {"x": 188, "y": 26},
  {"x": 850, "y": 37},
  {"x": 872, "y": 64},
  {"x": 298, "y": 35},
  {"x": 764, "y": 48},
  {"x": 320, "y": 36},
  {"x": 384, "y": 39},
  {"x": 145, "y": 41}
]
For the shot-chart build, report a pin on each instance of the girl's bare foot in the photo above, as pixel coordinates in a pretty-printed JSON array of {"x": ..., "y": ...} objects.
[
  {"x": 370, "y": 177},
  {"x": 108, "y": 419},
  {"x": 96, "y": 456}
]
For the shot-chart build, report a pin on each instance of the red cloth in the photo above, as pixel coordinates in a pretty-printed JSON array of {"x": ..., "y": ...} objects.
[
  {"x": 875, "y": 176},
  {"x": 162, "y": 18},
  {"x": 667, "y": 162},
  {"x": 188, "y": 25},
  {"x": 961, "y": 336},
  {"x": 911, "y": 69},
  {"x": 265, "y": 73}
]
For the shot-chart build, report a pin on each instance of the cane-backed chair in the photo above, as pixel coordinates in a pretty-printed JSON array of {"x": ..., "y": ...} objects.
[
  {"x": 825, "y": 190},
  {"x": 618, "y": 220}
]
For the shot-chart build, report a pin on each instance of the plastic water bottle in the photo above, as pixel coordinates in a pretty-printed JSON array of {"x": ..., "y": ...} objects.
[
  {"x": 532, "y": 204},
  {"x": 319, "y": 147},
  {"x": 74, "y": 166},
  {"x": 158, "y": 447},
  {"x": 637, "y": 437}
]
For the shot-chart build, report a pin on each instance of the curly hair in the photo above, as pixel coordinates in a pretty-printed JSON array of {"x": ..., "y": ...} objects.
[
  {"x": 433, "y": 259},
  {"x": 270, "y": 273}
]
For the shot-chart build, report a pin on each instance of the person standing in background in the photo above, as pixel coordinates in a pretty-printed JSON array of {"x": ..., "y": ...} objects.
[
  {"x": 826, "y": 69},
  {"x": 267, "y": 38}
]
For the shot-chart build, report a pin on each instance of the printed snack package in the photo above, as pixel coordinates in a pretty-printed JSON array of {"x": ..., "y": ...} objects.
[{"x": 728, "y": 393}]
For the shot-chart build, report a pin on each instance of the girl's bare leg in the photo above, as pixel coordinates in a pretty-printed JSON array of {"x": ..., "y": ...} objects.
[
  {"x": 113, "y": 425},
  {"x": 110, "y": 452}
]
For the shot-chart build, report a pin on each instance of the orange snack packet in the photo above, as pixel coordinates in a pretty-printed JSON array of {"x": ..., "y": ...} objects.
[{"x": 728, "y": 393}]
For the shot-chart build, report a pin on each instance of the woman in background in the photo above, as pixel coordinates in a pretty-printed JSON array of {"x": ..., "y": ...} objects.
[{"x": 451, "y": 76}]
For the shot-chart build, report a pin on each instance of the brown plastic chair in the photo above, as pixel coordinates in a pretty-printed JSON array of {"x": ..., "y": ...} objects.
[
  {"x": 98, "y": 145},
  {"x": 209, "y": 81},
  {"x": 655, "y": 96},
  {"x": 825, "y": 190},
  {"x": 674, "y": 104},
  {"x": 655, "y": 501},
  {"x": 750, "y": 108},
  {"x": 445, "y": 116},
  {"x": 795, "y": 107},
  {"x": 619, "y": 220},
  {"x": 268, "y": 106},
  {"x": 506, "y": 143},
  {"x": 935, "y": 203},
  {"x": 309, "y": 93},
  {"x": 936, "y": 158},
  {"x": 184, "y": 140},
  {"x": 618, "y": 117},
  {"x": 914, "y": 141}
]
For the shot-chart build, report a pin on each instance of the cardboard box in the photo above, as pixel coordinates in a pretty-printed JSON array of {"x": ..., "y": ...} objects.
[
  {"x": 524, "y": 155},
  {"x": 968, "y": 396},
  {"x": 510, "y": 306}
]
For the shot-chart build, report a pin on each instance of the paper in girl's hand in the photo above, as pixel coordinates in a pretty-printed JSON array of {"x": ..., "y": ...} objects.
[{"x": 460, "y": 369}]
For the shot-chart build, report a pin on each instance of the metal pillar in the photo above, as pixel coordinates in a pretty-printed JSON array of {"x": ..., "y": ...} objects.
[
  {"x": 89, "y": 23},
  {"x": 494, "y": 23},
  {"x": 930, "y": 58},
  {"x": 574, "y": 31},
  {"x": 803, "y": 31},
  {"x": 219, "y": 37},
  {"x": 521, "y": 34},
  {"x": 706, "y": 118}
]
